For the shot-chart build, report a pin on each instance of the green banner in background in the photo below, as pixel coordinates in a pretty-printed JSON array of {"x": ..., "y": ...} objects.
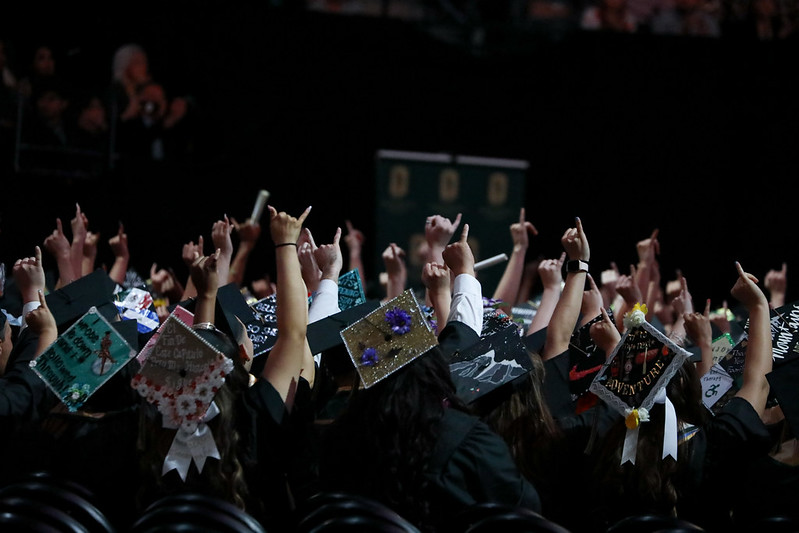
[{"x": 487, "y": 192}]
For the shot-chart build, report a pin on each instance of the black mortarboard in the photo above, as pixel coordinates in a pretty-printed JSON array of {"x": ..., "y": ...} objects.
[
  {"x": 494, "y": 361},
  {"x": 232, "y": 305},
  {"x": 325, "y": 333},
  {"x": 74, "y": 300},
  {"x": 785, "y": 333},
  {"x": 784, "y": 381},
  {"x": 536, "y": 340}
]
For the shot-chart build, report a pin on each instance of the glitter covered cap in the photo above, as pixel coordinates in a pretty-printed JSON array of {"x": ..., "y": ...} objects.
[{"x": 388, "y": 338}]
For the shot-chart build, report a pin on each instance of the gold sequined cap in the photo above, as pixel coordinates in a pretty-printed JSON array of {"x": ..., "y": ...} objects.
[{"x": 388, "y": 338}]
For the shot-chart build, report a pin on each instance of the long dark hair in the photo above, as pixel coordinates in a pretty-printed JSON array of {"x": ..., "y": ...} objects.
[
  {"x": 652, "y": 484},
  {"x": 380, "y": 446},
  {"x": 520, "y": 415},
  {"x": 222, "y": 478}
]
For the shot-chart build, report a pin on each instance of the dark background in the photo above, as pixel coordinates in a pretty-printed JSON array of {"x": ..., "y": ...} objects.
[{"x": 696, "y": 137}]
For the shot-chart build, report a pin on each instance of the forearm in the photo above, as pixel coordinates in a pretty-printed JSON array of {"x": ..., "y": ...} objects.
[
  {"x": 759, "y": 358},
  {"x": 549, "y": 299},
  {"x": 396, "y": 285},
  {"x": 440, "y": 301},
  {"x": 119, "y": 269},
  {"x": 564, "y": 317},
  {"x": 706, "y": 362},
  {"x": 507, "y": 290},
  {"x": 238, "y": 264}
]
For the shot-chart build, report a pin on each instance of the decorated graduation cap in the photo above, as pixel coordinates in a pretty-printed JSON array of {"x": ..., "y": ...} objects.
[
  {"x": 388, "y": 338},
  {"x": 83, "y": 358},
  {"x": 350, "y": 290},
  {"x": 785, "y": 333},
  {"x": 784, "y": 382},
  {"x": 325, "y": 333},
  {"x": 635, "y": 378},
  {"x": 72, "y": 301},
  {"x": 264, "y": 332},
  {"x": 137, "y": 304},
  {"x": 490, "y": 364},
  {"x": 180, "y": 377}
]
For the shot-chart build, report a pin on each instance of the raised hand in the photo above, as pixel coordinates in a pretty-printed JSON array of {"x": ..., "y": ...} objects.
[
  {"x": 458, "y": 256},
  {"x": 328, "y": 258},
  {"x": 520, "y": 232}
]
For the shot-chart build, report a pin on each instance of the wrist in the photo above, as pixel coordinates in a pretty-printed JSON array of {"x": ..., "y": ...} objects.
[{"x": 575, "y": 266}]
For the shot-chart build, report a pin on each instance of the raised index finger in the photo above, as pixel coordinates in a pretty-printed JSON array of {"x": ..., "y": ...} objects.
[
  {"x": 304, "y": 214},
  {"x": 465, "y": 232}
]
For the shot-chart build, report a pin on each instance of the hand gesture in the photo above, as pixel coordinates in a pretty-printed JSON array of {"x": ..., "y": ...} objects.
[
  {"x": 306, "y": 247},
  {"x": 698, "y": 328},
  {"x": 191, "y": 251},
  {"x": 627, "y": 287},
  {"x": 648, "y": 249},
  {"x": 776, "y": 282},
  {"x": 551, "y": 272},
  {"x": 328, "y": 257},
  {"x": 248, "y": 231},
  {"x": 57, "y": 243},
  {"x": 283, "y": 227},
  {"x": 720, "y": 319},
  {"x": 436, "y": 278},
  {"x": 746, "y": 290},
  {"x": 605, "y": 334},
  {"x": 520, "y": 231},
  {"x": 220, "y": 236},
  {"x": 683, "y": 302},
  {"x": 119, "y": 243},
  {"x": 90, "y": 245},
  {"x": 28, "y": 273},
  {"x": 162, "y": 281},
  {"x": 79, "y": 225},
  {"x": 458, "y": 256},
  {"x": 354, "y": 238},
  {"x": 438, "y": 230},
  {"x": 592, "y": 300},
  {"x": 394, "y": 259},
  {"x": 41, "y": 319},
  {"x": 204, "y": 274},
  {"x": 575, "y": 242}
]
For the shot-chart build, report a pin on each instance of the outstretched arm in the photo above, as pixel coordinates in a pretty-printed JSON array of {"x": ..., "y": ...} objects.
[
  {"x": 759, "y": 358},
  {"x": 290, "y": 356},
  {"x": 551, "y": 273},
  {"x": 507, "y": 290},
  {"x": 119, "y": 247},
  {"x": 567, "y": 311}
]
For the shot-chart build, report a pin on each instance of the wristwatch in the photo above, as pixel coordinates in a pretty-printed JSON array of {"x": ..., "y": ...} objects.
[{"x": 576, "y": 265}]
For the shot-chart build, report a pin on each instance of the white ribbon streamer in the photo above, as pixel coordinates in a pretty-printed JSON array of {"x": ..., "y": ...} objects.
[
  {"x": 669, "y": 431},
  {"x": 195, "y": 445}
]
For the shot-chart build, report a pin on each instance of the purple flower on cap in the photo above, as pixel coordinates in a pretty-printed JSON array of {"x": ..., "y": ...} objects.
[
  {"x": 399, "y": 320},
  {"x": 369, "y": 357}
]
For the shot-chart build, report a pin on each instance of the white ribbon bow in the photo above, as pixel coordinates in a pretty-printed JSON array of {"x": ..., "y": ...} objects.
[
  {"x": 195, "y": 445},
  {"x": 669, "y": 431}
]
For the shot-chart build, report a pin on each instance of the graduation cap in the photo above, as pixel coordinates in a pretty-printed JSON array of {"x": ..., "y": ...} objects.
[
  {"x": 635, "y": 378},
  {"x": 325, "y": 333},
  {"x": 784, "y": 382},
  {"x": 388, "y": 338},
  {"x": 73, "y": 300},
  {"x": 350, "y": 290},
  {"x": 233, "y": 311},
  {"x": 180, "y": 377},
  {"x": 136, "y": 304},
  {"x": 785, "y": 333},
  {"x": 264, "y": 333},
  {"x": 490, "y": 364},
  {"x": 536, "y": 340},
  {"x": 83, "y": 358}
]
